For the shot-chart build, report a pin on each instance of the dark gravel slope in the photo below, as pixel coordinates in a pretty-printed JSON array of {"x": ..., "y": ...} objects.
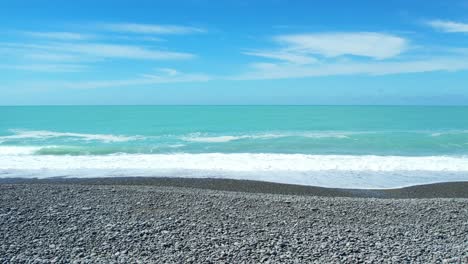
[{"x": 437, "y": 190}]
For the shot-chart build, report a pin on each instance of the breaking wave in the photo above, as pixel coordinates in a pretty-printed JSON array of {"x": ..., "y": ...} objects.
[{"x": 345, "y": 171}]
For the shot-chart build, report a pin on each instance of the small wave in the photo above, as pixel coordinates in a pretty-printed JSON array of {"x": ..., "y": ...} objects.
[
  {"x": 329, "y": 135},
  {"x": 176, "y": 145},
  {"x": 323, "y": 134},
  {"x": 453, "y": 132},
  {"x": 204, "y": 138},
  {"x": 218, "y": 139},
  {"x": 199, "y": 137},
  {"x": 45, "y": 134},
  {"x": 222, "y": 139}
]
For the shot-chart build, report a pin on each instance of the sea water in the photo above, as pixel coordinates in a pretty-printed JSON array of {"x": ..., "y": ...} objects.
[{"x": 331, "y": 146}]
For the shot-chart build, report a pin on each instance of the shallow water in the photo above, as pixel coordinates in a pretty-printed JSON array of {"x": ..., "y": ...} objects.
[{"x": 333, "y": 146}]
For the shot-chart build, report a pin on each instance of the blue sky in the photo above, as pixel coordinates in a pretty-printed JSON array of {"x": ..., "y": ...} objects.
[{"x": 234, "y": 52}]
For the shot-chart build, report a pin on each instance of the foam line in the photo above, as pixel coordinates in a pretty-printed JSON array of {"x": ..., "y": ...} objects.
[{"x": 346, "y": 171}]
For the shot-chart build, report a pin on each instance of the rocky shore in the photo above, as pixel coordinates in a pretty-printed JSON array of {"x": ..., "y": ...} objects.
[{"x": 105, "y": 222}]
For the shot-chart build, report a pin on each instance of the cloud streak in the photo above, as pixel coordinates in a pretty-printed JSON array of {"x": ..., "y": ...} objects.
[
  {"x": 365, "y": 44},
  {"x": 103, "y": 50},
  {"x": 58, "y": 35},
  {"x": 449, "y": 26},
  {"x": 261, "y": 71},
  {"x": 150, "y": 28},
  {"x": 321, "y": 49},
  {"x": 99, "y": 51},
  {"x": 284, "y": 56},
  {"x": 159, "y": 76},
  {"x": 48, "y": 68},
  {"x": 51, "y": 56}
]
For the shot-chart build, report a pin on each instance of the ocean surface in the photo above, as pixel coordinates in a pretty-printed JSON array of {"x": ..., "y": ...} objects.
[{"x": 331, "y": 146}]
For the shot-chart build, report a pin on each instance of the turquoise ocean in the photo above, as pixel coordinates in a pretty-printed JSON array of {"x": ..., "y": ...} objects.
[{"x": 332, "y": 146}]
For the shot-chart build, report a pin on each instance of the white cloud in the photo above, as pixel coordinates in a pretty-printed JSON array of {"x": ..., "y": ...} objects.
[
  {"x": 283, "y": 55},
  {"x": 62, "y": 51},
  {"x": 312, "y": 48},
  {"x": 366, "y": 44},
  {"x": 261, "y": 71},
  {"x": 58, "y": 35},
  {"x": 378, "y": 52},
  {"x": 449, "y": 26},
  {"x": 168, "y": 71},
  {"x": 151, "y": 28},
  {"x": 121, "y": 51},
  {"x": 49, "y": 56},
  {"x": 102, "y": 50}
]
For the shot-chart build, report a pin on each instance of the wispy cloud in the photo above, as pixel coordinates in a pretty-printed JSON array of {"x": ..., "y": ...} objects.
[
  {"x": 134, "y": 38},
  {"x": 65, "y": 51},
  {"x": 366, "y": 44},
  {"x": 312, "y": 48},
  {"x": 165, "y": 71},
  {"x": 58, "y": 35},
  {"x": 150, "y": 28},
  {"x": 50, "y": 56},
  {"x": 283, "y": 55},
  {"x": 121, "y": 51},
  {"x": 259, "y": 71},
  {"x": 49, "y": 68},
  {"x": 359, "y": 53},
  {"x": 449, "y": 26},
  {"x": 159, "y": 76},
  {"x": 100, "y": 50}
]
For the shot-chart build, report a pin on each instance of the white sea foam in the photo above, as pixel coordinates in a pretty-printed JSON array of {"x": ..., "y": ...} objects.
[
  {"x": 15, "y": 150},
  {"x": 344, "y": 171},
  {"x": 199, "y": 137},
  {"x": 176, "y": 145},
  {"x": 218, "y": 139},
  {"x": 44, "y": 134}
]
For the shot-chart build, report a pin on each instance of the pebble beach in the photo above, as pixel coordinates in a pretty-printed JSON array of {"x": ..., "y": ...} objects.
[{"x": 224, "y": 221}]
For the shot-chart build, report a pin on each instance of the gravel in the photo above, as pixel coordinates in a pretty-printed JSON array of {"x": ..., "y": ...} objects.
[{"x": 73, "y": 223}]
